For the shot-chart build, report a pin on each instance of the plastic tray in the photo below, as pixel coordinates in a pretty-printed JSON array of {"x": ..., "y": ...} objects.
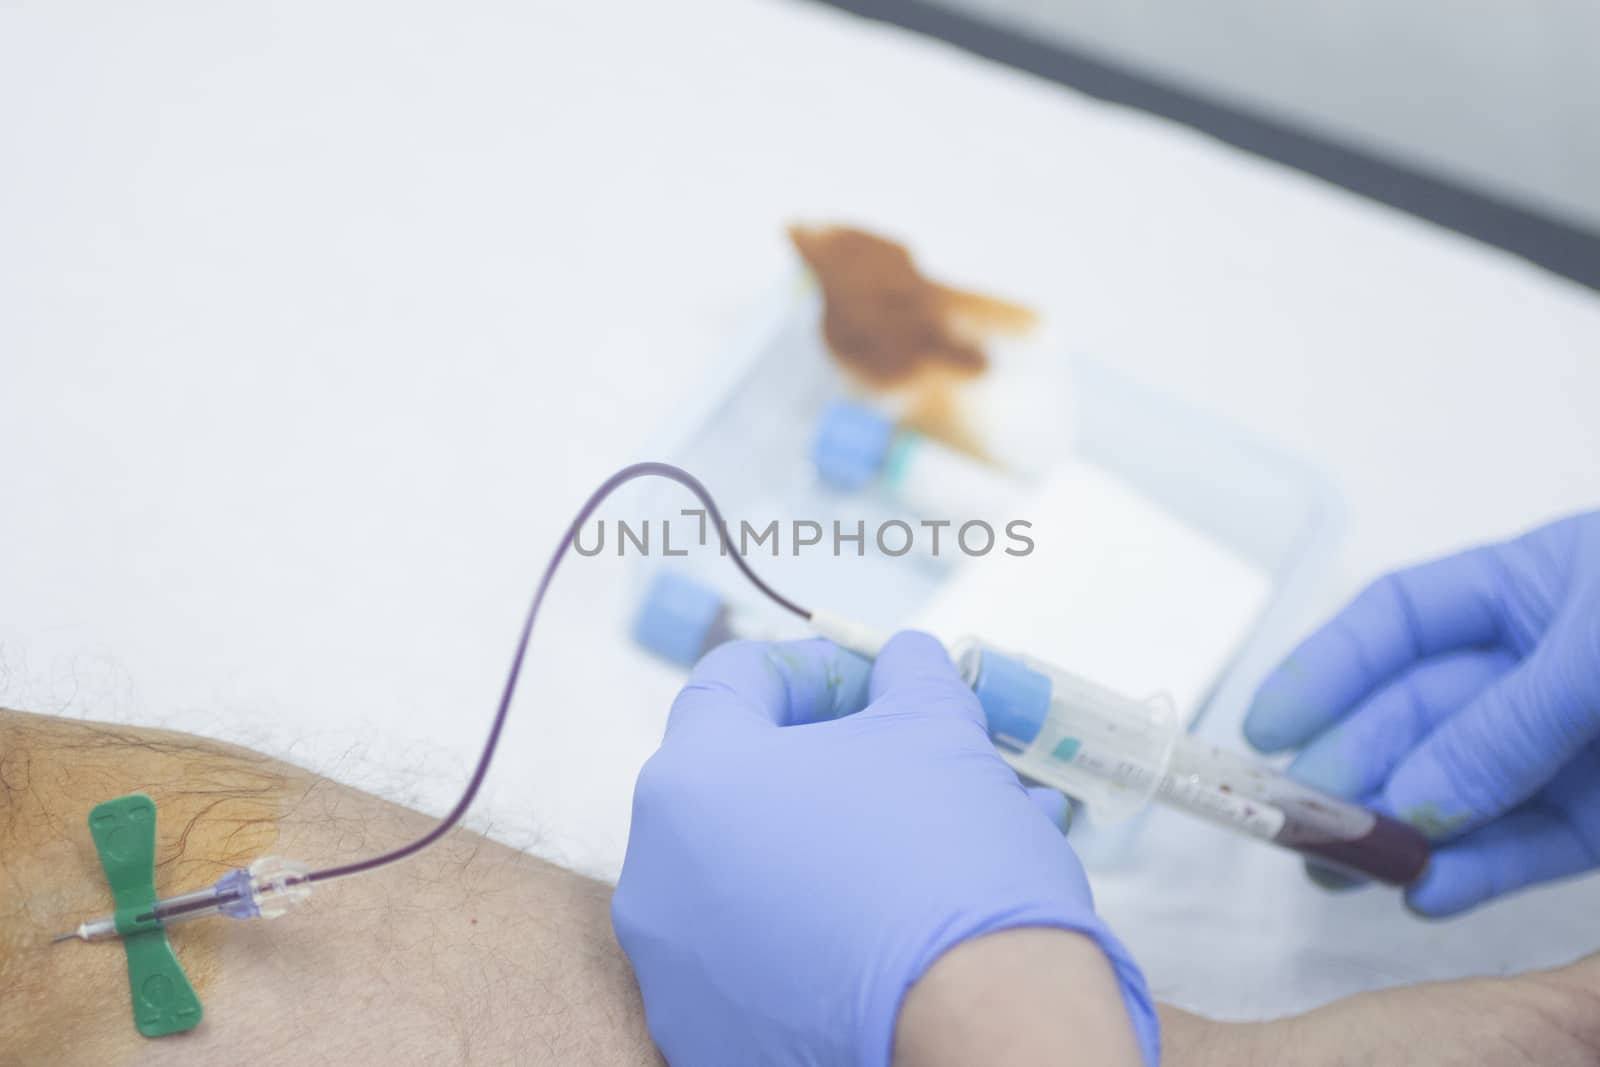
[{"x": 750, "y": 439}]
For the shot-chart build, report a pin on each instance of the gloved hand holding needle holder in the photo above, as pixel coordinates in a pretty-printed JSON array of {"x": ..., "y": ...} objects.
[
  {"x": 813, "y": 835},
  {"x": 855, "y": 822}
]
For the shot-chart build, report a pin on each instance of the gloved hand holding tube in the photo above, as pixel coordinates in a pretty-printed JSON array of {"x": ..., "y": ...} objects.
[
  {"x": 797, "y": 863},
  {"x": 1463, "y": 696}
]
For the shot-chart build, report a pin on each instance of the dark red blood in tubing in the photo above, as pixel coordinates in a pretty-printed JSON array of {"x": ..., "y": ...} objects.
[{"x": 610, "y": 485}]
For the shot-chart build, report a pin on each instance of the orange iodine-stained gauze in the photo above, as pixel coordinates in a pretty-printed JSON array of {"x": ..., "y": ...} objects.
[
  {"x": 896, "y": 332},
  {"x": 885, "y": 323}
]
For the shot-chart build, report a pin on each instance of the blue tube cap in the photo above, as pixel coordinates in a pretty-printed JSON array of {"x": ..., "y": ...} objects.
[
  {"x": 851, "y": 444},
  {"x": 677, "y": 617},
  {"x": 1015, "y": 699}
]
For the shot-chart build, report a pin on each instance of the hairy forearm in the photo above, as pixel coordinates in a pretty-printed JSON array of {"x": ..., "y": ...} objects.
[
  {"x": 470, "y": 951},
  {"x": 1041, "y": 996},
  {"x": 1539, "y": 1019}
]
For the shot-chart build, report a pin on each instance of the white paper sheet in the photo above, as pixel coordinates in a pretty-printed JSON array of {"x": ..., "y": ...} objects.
[{"x": 1116, "y": 589}]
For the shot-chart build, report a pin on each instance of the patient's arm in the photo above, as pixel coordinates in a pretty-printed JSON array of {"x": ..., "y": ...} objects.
[
  {"x": 474, "y": 952},
  {"x": 469, "y": 952},
  {"x": 1538, "y": 1019},
  {"x": 989, "y": 1001}
]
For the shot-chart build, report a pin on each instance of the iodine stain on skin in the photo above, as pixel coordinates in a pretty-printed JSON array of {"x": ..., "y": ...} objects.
[{"x": 894, "y": 330}]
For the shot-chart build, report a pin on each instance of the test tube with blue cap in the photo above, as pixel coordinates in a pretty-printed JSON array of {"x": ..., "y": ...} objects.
[
  {"x": 680, "y": 619},
  {"x": 1112, "y": 753},
  {"x": 1116, "y": 755},
  {"x": 858, "y": 447}
]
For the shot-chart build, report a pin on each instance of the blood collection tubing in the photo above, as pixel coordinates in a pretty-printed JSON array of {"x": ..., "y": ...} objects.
[
  {"x": 270, "y": 886},
  {"x": 1098, "y": 769}
]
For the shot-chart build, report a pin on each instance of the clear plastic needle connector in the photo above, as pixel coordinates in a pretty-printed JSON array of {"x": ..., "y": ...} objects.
[{"x": 266, "y": 889}]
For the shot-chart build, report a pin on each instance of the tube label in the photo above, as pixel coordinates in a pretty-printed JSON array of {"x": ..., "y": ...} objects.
[{"x": 1220, "y": 806}]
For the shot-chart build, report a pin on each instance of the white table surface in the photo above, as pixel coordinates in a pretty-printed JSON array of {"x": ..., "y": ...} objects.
[{"x": 317, "y": 321}]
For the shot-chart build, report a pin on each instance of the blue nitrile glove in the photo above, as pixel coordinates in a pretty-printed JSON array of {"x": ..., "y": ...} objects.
[
  {"x": 791, "y": 872},
  {"x": 1462, "y": 695}
]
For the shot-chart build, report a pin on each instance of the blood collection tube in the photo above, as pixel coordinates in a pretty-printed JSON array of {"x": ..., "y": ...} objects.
[
  {"x": 1116, "y": 754},
  {"x": 1108, "y": 751},
  {"x": 858, "y": 447},
  {"x": 681, "y": 619}
]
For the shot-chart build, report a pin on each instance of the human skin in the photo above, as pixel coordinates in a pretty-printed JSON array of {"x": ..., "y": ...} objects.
[
  {"x": 1018, "y": 997},
  {"x": 472, "y": 952},
  {"x": 1549, "y": 1018}
]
